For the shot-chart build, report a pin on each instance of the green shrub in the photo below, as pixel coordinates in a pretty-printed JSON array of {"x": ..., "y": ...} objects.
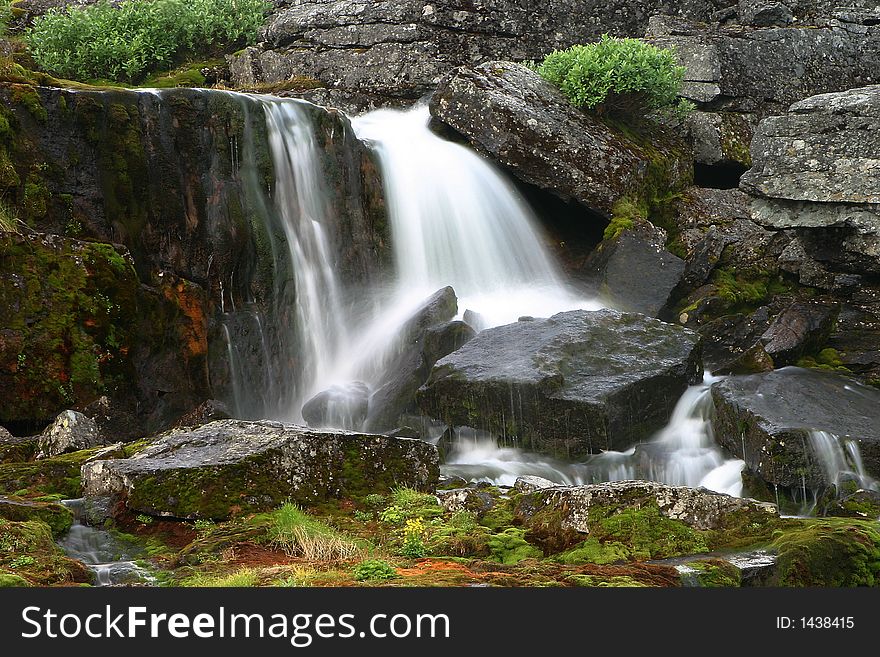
[
  {"x": 126, "y": 41},
  {"x": 619, "y": 77},
  {"x": 374, "y": 570}
]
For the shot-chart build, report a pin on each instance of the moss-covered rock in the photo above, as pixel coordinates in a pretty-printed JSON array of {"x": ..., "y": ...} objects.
[
  {"x": 28, "y": 551},
  {"x": 58, "y": 476},
  {"x": 229, "y": 466},
  {"x": 57, "y": 516},
  {"x": 66, "y": 335},
  {"x": 830, "y": 552}
]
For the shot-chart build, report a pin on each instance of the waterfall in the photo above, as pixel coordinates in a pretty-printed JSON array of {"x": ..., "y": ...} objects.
[
  {"x": 455, "y": 220},
  {"x": 841, "y": 460},
  {"x": 683, "y": 453}
]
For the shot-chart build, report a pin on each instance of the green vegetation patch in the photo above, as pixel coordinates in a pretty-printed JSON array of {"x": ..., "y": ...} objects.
[
  {"x": 617, "y": 77},
  {"x": 127, "y": 40},
  {"x": 28, "y": 552},
  {"x": 829, "y": 552}
]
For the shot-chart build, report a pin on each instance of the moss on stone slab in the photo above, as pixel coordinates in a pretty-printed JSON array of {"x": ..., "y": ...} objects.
[
  {"x": 28, "y": 551},
  {"x": 59, "y": 475},
  {"x": 829, "y": 552},
  {"x": 57, "y": 516}
]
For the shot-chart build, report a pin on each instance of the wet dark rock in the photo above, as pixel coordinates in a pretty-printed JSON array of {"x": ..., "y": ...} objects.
[
  {"x": 573, "y": 384},
  {"x": 802, "y": 328},
  {"x": 70, "y": 432},
  {"x": 426, "y": 337},
  {"x": 858, "y": 504},
  {"x": 232, "y": 466},
  {"x": 116, "y": 419},
  {"x": 765, "y": 419},
  {"x": 700, "y": 509},
  {"x": 343, "y": 406},
  {"x": 634, "y": 272},
  {"x": 732, "y": 343},
  {"x": 760, "y": 13},
  {"x": 522, "y": 121}
]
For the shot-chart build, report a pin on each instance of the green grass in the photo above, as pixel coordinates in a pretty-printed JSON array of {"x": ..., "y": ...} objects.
[
  {"x": 244, "y": 578},
  {"x": 299, "y": 534}
]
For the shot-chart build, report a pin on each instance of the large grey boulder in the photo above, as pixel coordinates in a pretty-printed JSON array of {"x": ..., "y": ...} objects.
[
  {"x": 574, "y": 384},
  {"x": 70, "y": 432},
  {"x": 766, "y": 419},
  {"x": 230, "y": 466},
  {"x": 523, "y": 122},
  {"x": 581, "y": 508}
]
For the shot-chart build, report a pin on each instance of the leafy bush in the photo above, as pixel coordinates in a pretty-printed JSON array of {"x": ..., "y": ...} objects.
[
  {"x": 125, "y": 41},
  {"x": 623, "y": 77},
  {"x": 374, "y": 570}
]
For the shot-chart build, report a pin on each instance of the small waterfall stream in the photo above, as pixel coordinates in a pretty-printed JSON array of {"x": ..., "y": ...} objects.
[
  {"x": 113, "y": 562},
  {"x": 683, "y": 453}
]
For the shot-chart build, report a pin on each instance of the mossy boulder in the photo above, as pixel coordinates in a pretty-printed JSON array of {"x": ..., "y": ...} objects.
[
  {"x": 57, "y": 516},
  {"x": 58, "y": 476},
  {"x": 767, "y": 420},
  {"x": 604, "y": 523},
  {"x": 574, "y": 384},
  {"x": 524, "y": 122},
  {"x": 28, "y": 552},
  {"x": 229, "y": 466},
  {"x": 830, "y": 552}
]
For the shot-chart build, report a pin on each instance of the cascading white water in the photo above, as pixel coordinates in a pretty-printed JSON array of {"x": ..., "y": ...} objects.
[
  {"x": 841, "y": 460},
  {"x": 303, "y": 204},
  {"x": 455, "y": 220},
  {"x": 683, "y": 453}
]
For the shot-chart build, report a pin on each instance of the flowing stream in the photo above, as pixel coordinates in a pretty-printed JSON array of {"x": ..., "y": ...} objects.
[{"x": 113, "y": 561}]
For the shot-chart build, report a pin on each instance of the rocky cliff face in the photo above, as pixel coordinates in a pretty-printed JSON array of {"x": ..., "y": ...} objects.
[
  {"x": 181, "y": 181},
  {"x": 358, "y": 53}
]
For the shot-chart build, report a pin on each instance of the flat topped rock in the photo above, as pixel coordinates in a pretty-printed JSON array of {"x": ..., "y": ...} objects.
[
  {"x": 573, "y": 384},
  {"x": 577, "y": 508},
  {"x": 766, "y": 419},
  {"x": 227, "y": 466}
]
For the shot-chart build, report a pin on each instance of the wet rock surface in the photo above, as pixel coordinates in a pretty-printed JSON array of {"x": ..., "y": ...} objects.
[
  {"x": 766, "y": 419},
  {"x": 571, "y": 385},
  {"x": 524, "y": 122},
  {"x": 70, "y": 432}
]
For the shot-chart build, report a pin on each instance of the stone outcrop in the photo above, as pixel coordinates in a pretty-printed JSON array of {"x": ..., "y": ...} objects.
[
  {"x": 70, "y": 432},
  {"x": 574, "y": 384},
  {"x": 523, "y": 122},
  {"x": 579, "y": 508},
  {"x": 229, "y": 466},
  {"x": 766, "y": 420},
  {"x": 358, "y": 53}
]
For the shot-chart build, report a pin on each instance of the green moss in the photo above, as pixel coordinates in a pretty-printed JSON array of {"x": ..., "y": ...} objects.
[
  {"x": 28, "y": 550},
  {"x": 36, "y": 199},
  {"x": 59, "y": 475},
  {"x": 242, "y": 578},
  {"x": 827, "y": 359},
  {"x": 623, "y": 216},
  {"x": 593, "y": 551},
  {"x": 8, "y": 580},
  {"x": 511, "y": 547},
  {"x": 829, "y": 552},
  {"x": 646, "y": 532},
  {"x": 57, "y": 516},
  {"x": 599, "y": 581},
  {"x": 716, "y": 573},
  {"x": 28, "y": 97}
]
